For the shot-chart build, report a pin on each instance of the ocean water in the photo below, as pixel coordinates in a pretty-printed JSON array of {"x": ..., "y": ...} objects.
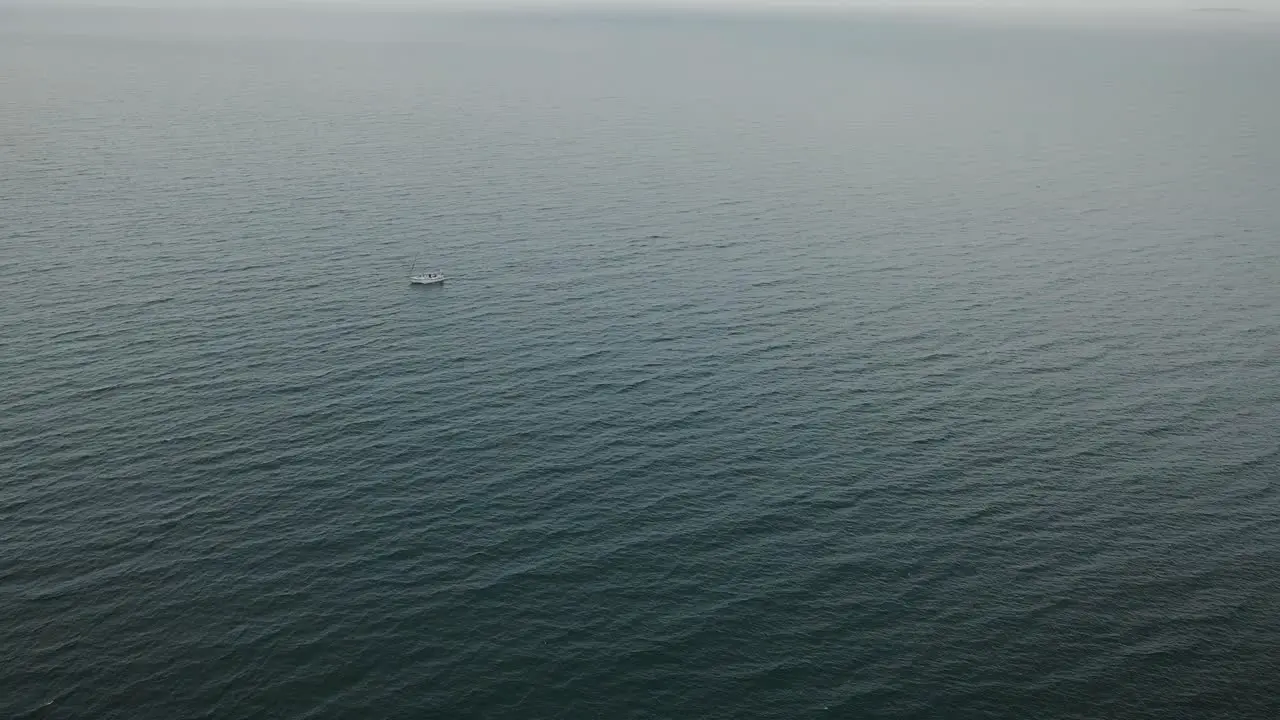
[{"x": 790, "y": 366}]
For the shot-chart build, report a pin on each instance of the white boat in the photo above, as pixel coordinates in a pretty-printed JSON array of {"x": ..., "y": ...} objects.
[
  {"x": 427, "y": 279},
  {"x": 431, "y": 278}
]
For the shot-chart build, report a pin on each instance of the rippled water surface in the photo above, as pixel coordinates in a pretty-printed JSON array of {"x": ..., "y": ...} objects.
[{"x": 789, "y": 367}]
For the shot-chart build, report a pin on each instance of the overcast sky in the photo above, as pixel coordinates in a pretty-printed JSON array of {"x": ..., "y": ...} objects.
[
  {"x": 1268, "y": 5},
  {"x": 1181, "y": 4}
]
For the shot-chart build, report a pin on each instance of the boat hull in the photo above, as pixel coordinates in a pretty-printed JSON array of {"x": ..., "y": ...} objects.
[{"x": 426, "y": 280}]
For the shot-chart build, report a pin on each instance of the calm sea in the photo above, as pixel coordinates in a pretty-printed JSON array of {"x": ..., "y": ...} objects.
[{"x": 790, "y": 366}]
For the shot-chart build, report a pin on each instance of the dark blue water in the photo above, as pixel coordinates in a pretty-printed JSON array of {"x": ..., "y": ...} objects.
[{"x": 790, "y": 367}]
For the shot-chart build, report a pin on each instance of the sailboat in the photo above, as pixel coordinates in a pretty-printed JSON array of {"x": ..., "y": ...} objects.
[{"x": 431, "y": 278}]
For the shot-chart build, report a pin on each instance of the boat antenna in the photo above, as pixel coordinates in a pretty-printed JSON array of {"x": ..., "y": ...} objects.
[{"x": 415, "y": 263}]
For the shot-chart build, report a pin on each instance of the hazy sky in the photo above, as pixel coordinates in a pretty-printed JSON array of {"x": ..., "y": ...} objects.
[
  {"x": 1175, "y": 4},
  {"x": 1185, "y": 4},
  {"x": 1268, "y": 5}
]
